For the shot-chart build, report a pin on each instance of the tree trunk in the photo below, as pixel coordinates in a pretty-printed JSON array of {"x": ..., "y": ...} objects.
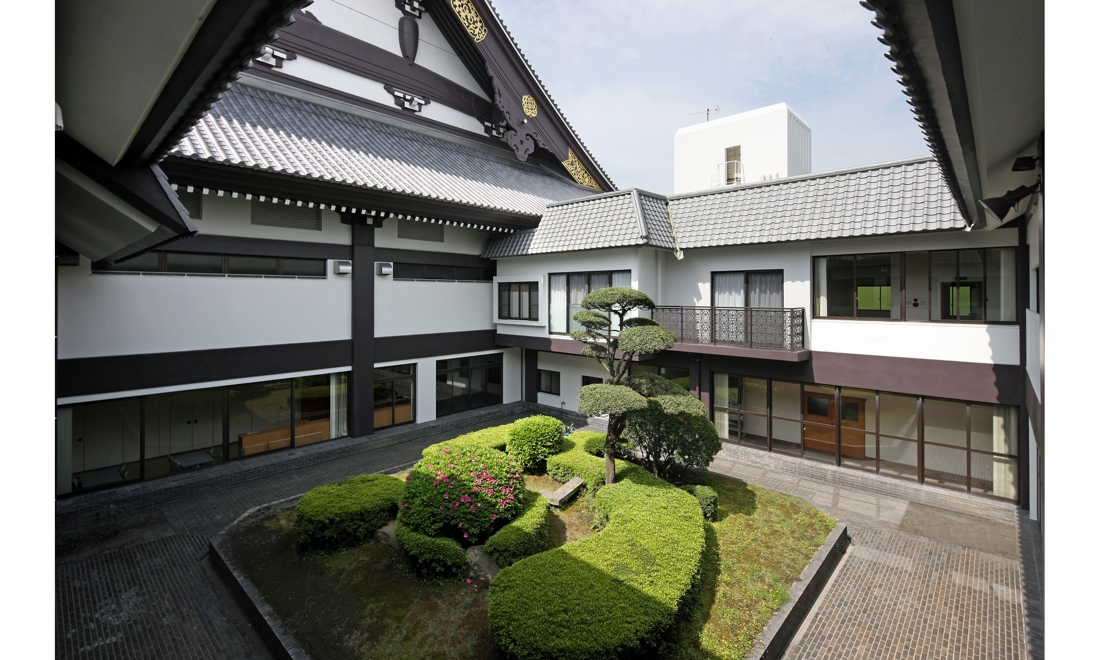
[{"x": 615, "y": 426}]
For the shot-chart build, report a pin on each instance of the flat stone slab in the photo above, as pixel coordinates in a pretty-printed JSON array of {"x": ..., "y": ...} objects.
[
  {"x": 565, "y": 492},
  {"x": 387, "y": 535},
  {"x": 482, "y": 566}
]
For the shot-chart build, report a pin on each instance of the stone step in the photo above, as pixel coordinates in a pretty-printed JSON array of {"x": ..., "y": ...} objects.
[{"x": 565, "y": 492}]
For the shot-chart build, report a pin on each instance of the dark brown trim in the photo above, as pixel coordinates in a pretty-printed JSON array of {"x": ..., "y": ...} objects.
[
  {"x": 325, "y": 44},
  {"x": 262, "y": 247},
  {"x": 410, "y": 347},
  {"x": 191, "y": 172},
  {"x": 530, "y": 375},
  {"x": 361, "y": 379},
  {"x": 120, "y": 373},
  {"x": 432, "y": 258},
  {"x": 735, "y": 351},
  {"x": 549, "y": 344},
  {"x": 1034, "y": 414}
]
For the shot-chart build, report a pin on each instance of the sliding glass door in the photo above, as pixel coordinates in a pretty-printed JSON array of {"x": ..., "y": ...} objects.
[{"x": 468, "y": 383}]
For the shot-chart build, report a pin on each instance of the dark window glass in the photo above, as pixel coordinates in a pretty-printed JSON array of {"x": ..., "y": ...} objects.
[
  {"x": 146, "y": 263},
  {"x": 850, "y": 412},
  {"x": 878, "y": 285},
  {"x": 840, "y": 286},
  {"x": 590, "y": 380},
  {"x": 395, "y": 371},
  {"x": 469, "y": 273},
  {"x": 494, "y": 392},
  {"x": 105, "y": 443},
  {"x": 184, "y": 262},
  {"x": 434, "y": 272},
  {"x": 504, "y": 306},
  {"x": 313, "y": 408},
  {"x": 253, "y": 265},
  {"x": 549, "y": 382},
  {"x": 259, "y": 417},
  {"x": 408, "y": 272},
  {"x": 304, "y": 267},
  {"x": 817, "y": 406},
  {"x": 443, "y": 394}
]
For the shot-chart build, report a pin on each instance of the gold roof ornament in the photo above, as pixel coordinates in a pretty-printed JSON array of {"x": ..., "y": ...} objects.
[
  {"x": 470, "y": 19},
  {"x": 579, "y": 172},
  {"x": 530, "y": 108}
]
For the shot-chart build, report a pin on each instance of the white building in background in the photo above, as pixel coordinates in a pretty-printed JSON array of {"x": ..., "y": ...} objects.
[{"x": 758, "y": 145}]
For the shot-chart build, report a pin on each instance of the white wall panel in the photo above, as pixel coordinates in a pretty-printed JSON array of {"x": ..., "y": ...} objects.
[
  {"x": 571, "y": 368},
  {"x": 457, "y": 240},
  {"x": 960, "y": 342},
  {"x": 225, "y": 216},
  {"x": 421, "y": 308},
  {"x": 1033, "y": 366},
  {"x": 101, "y": 314}
]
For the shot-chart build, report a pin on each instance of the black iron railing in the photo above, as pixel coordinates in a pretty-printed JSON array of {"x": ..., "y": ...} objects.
[{"x": 749, "y": 327}]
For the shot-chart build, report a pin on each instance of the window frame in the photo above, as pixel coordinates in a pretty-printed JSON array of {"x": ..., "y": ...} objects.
[
  {"x": 782, "y": 291},
  {"x": 555, "y": 380},
  {"x": 532, "y": 301},
  {"x": 588, "y": 285},
  {"x": 486, "y": 275},
  {"x": 905, "y": 290}
]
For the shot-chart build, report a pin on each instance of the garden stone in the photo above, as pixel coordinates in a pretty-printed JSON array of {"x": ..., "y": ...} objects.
[
  {"x": 482, "y": 566},
  {"x": 386, "y": 535},
  {"x": 565, "y": 492}
]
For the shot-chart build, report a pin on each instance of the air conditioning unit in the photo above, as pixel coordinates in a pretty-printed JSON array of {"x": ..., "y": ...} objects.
[
  {"x": 341, "y": 267},
  {"x": 383, "y": 268}
]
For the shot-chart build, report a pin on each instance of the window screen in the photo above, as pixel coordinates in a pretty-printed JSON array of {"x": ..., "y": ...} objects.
[{"x": 290, "y": 216}]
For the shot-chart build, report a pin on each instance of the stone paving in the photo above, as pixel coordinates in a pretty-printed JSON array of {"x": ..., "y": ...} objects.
[{"x": 930, "y": 573}]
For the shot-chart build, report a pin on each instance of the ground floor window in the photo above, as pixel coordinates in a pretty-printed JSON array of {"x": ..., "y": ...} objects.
[
  {"x": 106, "y": 443},
  {"x": 679, "y": 375},
  {"x": 468, "y": 383},
  {"x": 394, "y": 395},
  {"x": 954, "y": 444},
  {"x": 549, "y": 382}
]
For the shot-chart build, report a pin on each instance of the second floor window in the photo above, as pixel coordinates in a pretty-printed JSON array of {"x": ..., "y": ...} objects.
[
  {"x": 567, "y": 290},
  {"x": 747, "y": 289},
  {"x": 518, "y": 300}
]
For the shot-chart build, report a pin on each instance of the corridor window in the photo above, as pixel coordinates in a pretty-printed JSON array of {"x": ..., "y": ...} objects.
[
  {"x": 518, "y": 300},
  {"x": 567, "y": 290},
  {"x": 549, "y": 382}
]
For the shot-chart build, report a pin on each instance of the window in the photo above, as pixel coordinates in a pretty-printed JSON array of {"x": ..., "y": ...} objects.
[
  {"x": 195, "y": 263},
  {"x": 567, "y": 290},
  {"x": 549, "y": 382},
  {"x": 438, "y": 273},
  {"x": 747, "y": 289},
  {"x": 518, "y": 300},
  {"x": 679, "y": 375},
  {"x": 591, "y": 380},
  {"x": 945, "y": 285},
  {"x": 288, "y": 216},
  {"x": 394, "y": 395},
  {"x": 734, "y": 173},
  {"x": 420, "y": 231},
  {"x": 468, "y": 383}
]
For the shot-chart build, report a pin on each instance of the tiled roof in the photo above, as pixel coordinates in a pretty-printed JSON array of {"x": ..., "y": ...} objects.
[
  {"x": 889, "y": 198},
  {"x": 263, "y": 130},
  {"x": 625, "y": 217}
]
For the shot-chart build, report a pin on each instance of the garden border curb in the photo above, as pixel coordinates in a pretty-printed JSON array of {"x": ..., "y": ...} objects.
[
  {"x": 268, "y": 624},
  {"x": 784, "y": 624}
]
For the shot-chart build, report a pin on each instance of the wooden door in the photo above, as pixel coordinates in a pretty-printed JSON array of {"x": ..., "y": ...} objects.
[{"x": 820, "y": 408}]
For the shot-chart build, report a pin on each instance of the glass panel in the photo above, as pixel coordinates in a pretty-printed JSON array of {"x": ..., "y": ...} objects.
[
  {"x": 477, "y": 388},
  {"x": 916, "y": 286},
  {"x": 460, "y": 380},
  {"x": 840, "y": 286},
  {"x": 182, "y": 262},
  {"x": 943, "y": 285},
  {"x": 502, "y": 301},
  {"x": 578, "y": 289},
  {"x": 253, "y": 265},
  {"x": 383, "y": 405},
  {"x": 819, "y": 413},
  {"x": 304, "y": 267},
  {"x": 482, "y": 360},
  {"x": 945, "y": 422},
  {"x": 857, "y": 414},
  {"x": 681, "y": 377},
  {"x": 878, "y": 286},
  {"x": 994, "y": 475},
  {"x": 559, "y": 309},
  {"x": 515, "y": 310},
  {"x": 971, "y": 285},
  {"x": 598, "y": 281},
  {"x": 312, "y": 409},
  {"x": 729, "y": 289},
  {"x": 404, "y": 400},
  {"x": 469, "y": 273},
  {"x": 898, "y": 416},
  {"x": 259, "y": 417},
  {"x": 1000, "y": 300},
  {"x": 727, "y": 390},
  {"x": 786, "y": 434},
  {"x": 764, "y": 289},
  {"x": 106, "y": 443},
  {"x": 408, "y": 272},
  {"x": 394, "y": 371},
  {"x": 533, "y": 308},
  {"x": 895, "y": 450},
  {"x": 148, "y": 262},
  {"x": 755, "y": 430},
  {"x": 436, "y": 272},
  {"x": 525, "y": 301},
  {"x": 944, "y": 466},
  {"x": 756, "y": 395},
  {"x": 494, "y": 391},
  {"x": 857, "y": 449},
  {"x": 443, "y": 395},
  {"x": 994, "y": 428},
  {"x": 621, "y": 278},
  {"x": 183, "y": 431}
]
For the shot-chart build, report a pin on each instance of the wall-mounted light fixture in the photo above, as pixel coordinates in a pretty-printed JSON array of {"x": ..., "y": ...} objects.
[
  {"x": 1000, "y": 206},
  {"x": 383, "y": 268}
]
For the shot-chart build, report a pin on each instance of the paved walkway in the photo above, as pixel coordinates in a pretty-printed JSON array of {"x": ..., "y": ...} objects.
[{"x": 930, "y": 573}]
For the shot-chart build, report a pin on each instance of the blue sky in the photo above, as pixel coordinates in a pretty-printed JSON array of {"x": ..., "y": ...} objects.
[{"x": 627, "y": 75}]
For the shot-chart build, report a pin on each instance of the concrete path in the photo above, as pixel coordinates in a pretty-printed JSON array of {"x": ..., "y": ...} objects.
[{"x": 930, "y": 573}]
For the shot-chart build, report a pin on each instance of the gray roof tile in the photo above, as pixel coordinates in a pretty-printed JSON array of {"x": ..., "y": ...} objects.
[{"x": 255, "y": 128}]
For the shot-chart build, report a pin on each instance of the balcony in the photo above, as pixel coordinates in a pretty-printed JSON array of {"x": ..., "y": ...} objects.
[{"x": 761, "y": 329}]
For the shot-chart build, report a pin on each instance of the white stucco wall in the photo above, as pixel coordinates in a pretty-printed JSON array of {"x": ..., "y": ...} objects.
[
  {"x": 456, "y": 240},
  {"x": 124, "y": 314},
  {"x": 571, "y": 368},
  {"x": 960, "y": 342},
  {"x": 226, "y": 216},
  {"x": 418, "y": 308}
]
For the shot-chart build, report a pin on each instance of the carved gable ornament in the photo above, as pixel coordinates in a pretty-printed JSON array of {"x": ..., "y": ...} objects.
[
  {"x": 579, "y": 172},
  {"x": 470, "y": 19}
]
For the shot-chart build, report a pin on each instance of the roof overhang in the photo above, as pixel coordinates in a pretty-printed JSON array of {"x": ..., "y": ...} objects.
[
  {"x": 110, "y": 214},
  {"x": 974, "y": 73}
]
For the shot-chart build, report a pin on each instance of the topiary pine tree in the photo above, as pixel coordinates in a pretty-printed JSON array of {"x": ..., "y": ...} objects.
[{"x": 614, "y": 340}]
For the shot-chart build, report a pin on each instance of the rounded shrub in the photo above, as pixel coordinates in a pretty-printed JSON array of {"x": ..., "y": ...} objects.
[
  {"x": 432, "y": 558},
  {"x": 611, "y": 595},
  {"x": 532, "y": 439},
  {"x": 594, "y": 444},
  {"x": 346, "y": 513},
  {"x": 708, "y": 500},
  {"x": 494, "y": 437},
  {"x": 575, "y": 461},
  {"x": 465, "y": 493},
  {"x": 527, "y": 535}
]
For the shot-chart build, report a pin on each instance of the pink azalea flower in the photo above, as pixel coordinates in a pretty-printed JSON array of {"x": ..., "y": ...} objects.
[
  {"x": 465, "y": 535},
  {"x": 468, "y": 580}
]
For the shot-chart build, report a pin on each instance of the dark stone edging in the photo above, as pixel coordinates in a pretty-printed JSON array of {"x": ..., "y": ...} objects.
[
  {"x": 777, "y": 636},
  {"x": 268, "y": 624}
]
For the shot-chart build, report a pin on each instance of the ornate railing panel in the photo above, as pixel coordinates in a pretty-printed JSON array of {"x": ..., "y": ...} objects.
[{"x": 750, "y": 327}]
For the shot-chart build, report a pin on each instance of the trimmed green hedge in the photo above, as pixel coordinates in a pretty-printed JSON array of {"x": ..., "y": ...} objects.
[
  {"x": 532, "y": 439},
  {"x": 610, "y": 595},
  {"x": 708, "y": 500},
  {"x": 432, "y": 558},
  {"x": 346, "y": 513},
  {"x": 574, "y": 461},
  {"x": 494, "y": 437},
  {"x": 527, "y": 535}
]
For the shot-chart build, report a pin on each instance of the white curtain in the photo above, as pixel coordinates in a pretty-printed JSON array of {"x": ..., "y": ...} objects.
[
  {"x": 558, "y": 306},
  {"x": 721, "y": 395},
  {"x": 621, "y": 278},
  {"x": 338, "y": 405},
  {"x": 820, "y": 284},
  {"x": 765, "y": 289},
  {"x": 1005, "y": 428},
  {"x": 578, "y": 289},
  {"x": 729, "y": 289}
]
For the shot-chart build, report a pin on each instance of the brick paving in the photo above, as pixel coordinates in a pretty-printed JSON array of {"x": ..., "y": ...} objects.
[
  {"x": 912, "y": 584},
  {"x": 930, "y": 573}
]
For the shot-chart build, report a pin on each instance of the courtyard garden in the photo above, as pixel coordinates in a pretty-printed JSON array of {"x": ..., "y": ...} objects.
[{"x": 687, "y": 564}]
